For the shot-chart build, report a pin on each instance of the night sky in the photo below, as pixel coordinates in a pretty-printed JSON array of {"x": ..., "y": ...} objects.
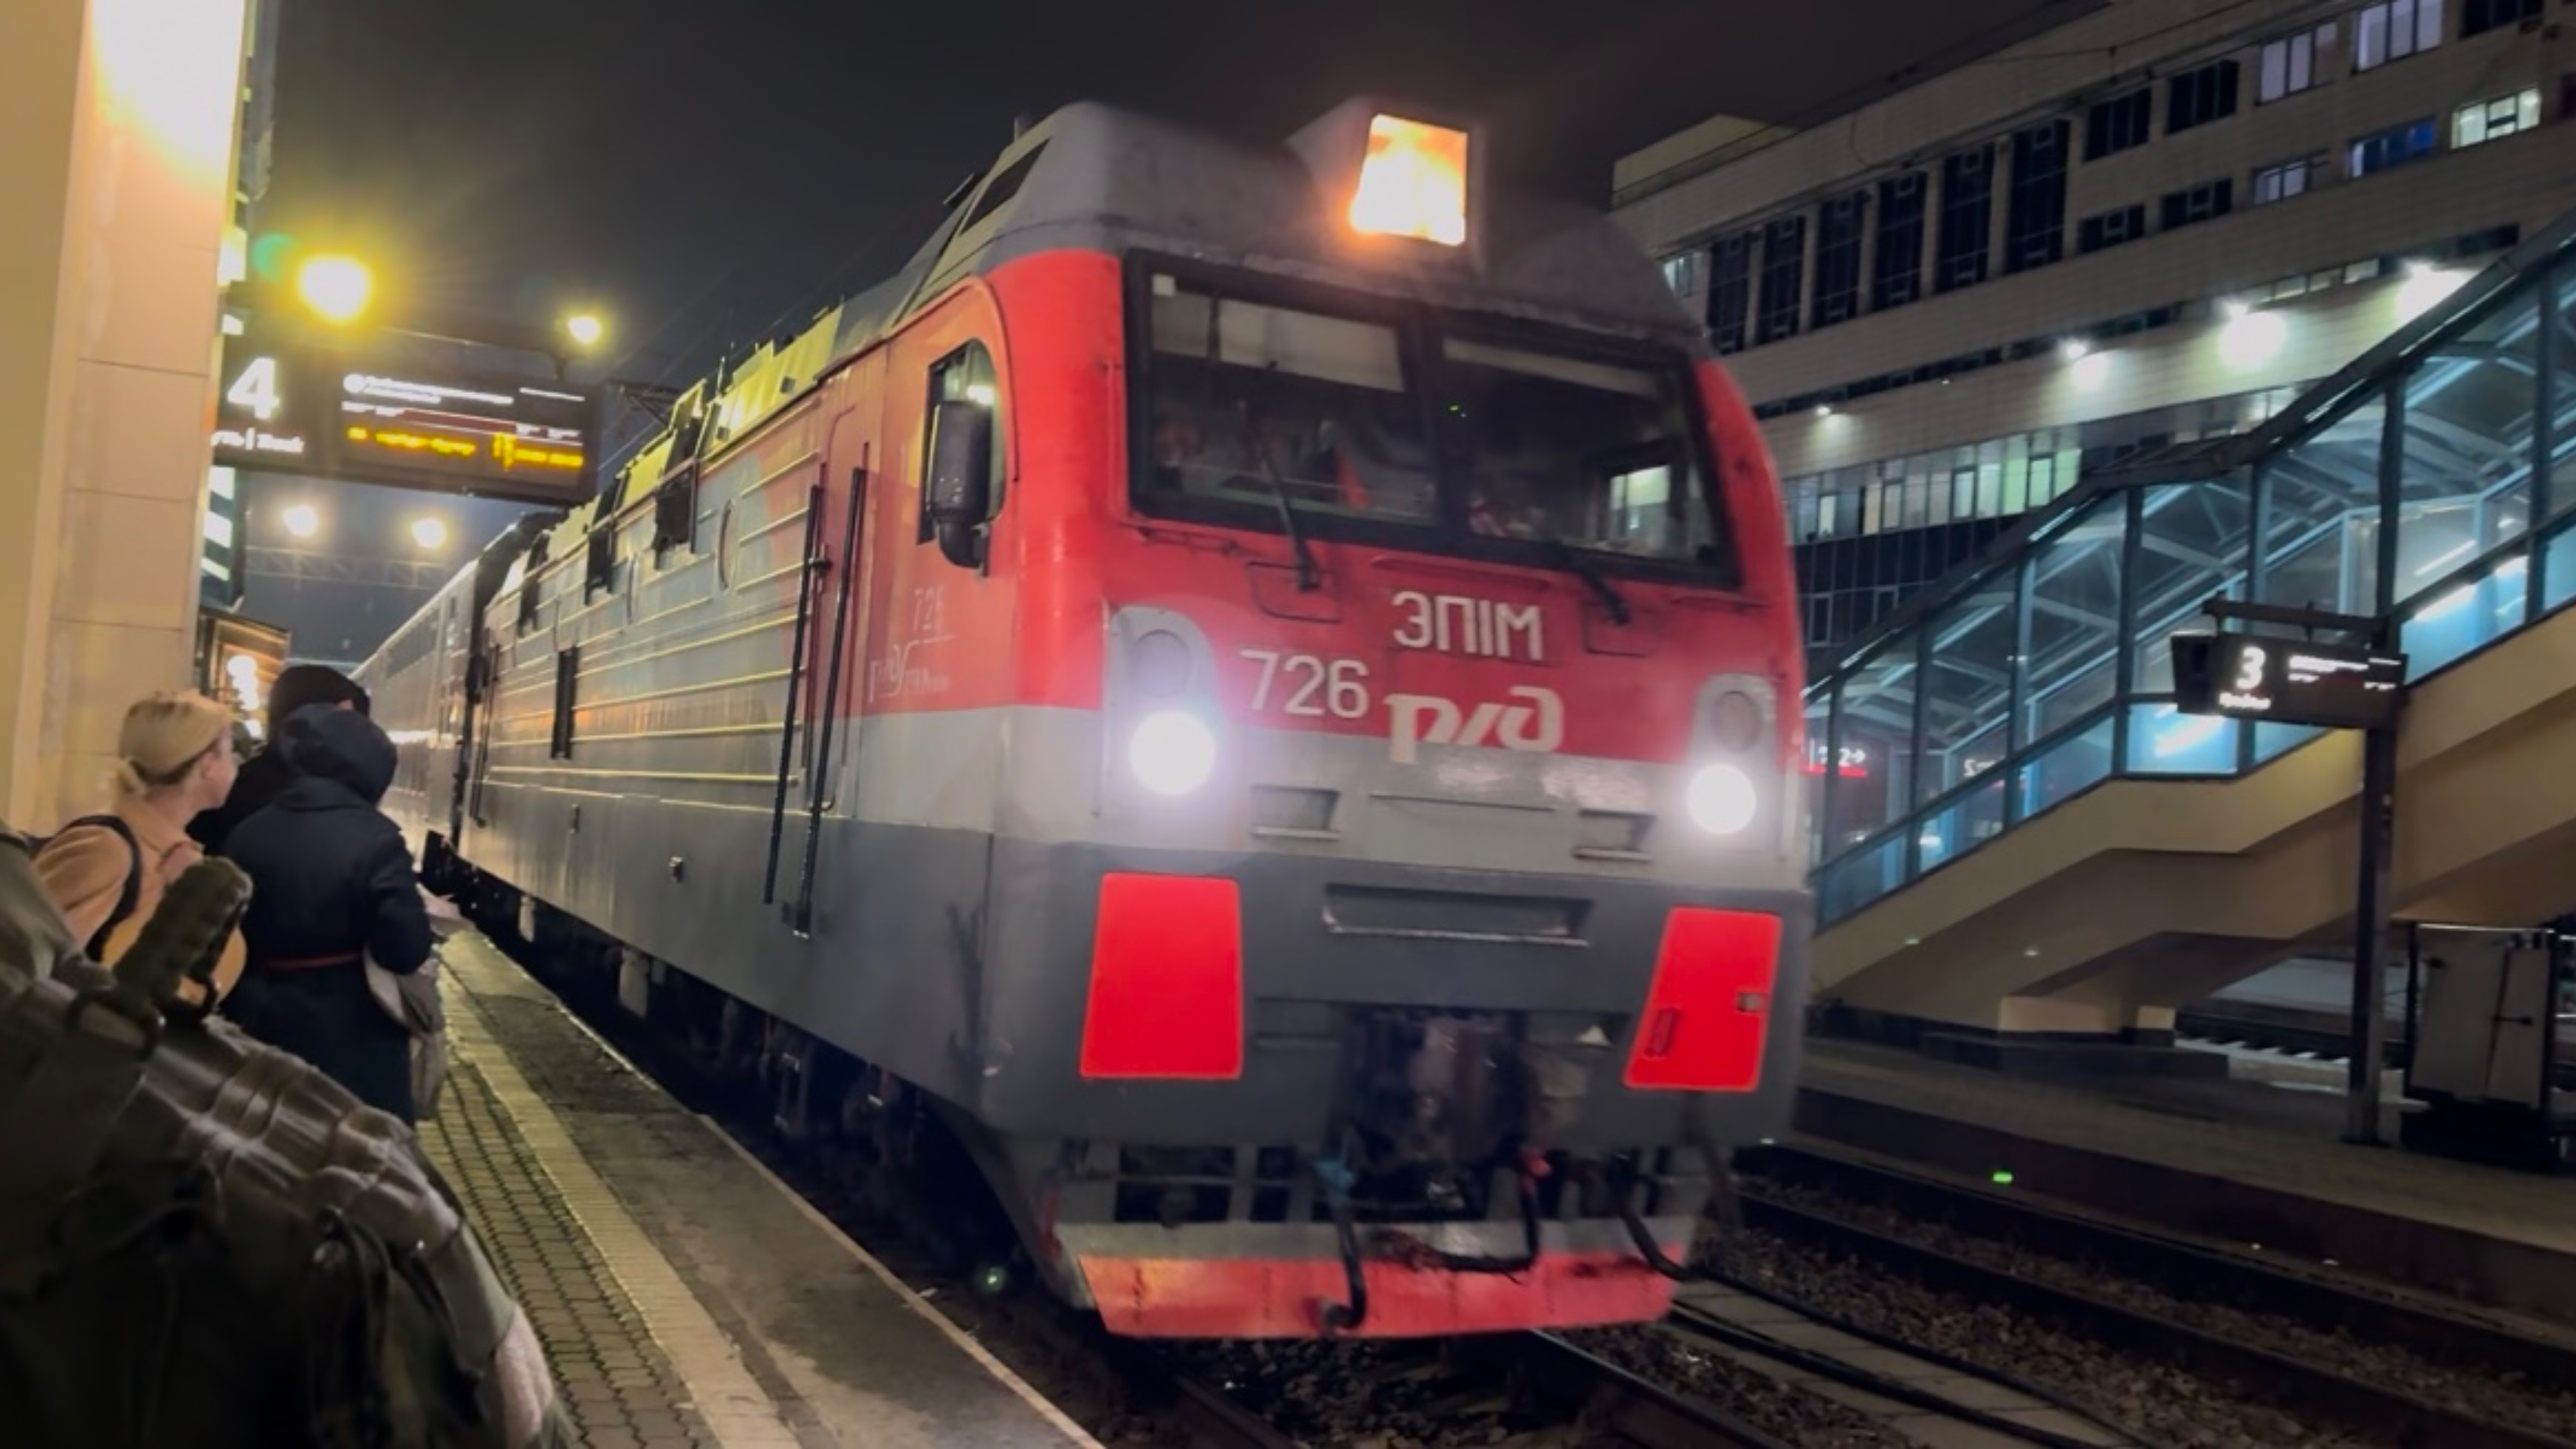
[{"x": 694, "y": 173}]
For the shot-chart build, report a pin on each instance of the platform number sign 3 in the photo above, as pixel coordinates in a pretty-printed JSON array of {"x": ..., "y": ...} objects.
[{"x": 2249, "y": 670}]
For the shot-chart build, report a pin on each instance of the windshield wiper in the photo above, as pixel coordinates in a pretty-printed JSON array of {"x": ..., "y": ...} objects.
[
  {"x": 1584, "y": 568},
  {"x": 1309, "y": 577}
]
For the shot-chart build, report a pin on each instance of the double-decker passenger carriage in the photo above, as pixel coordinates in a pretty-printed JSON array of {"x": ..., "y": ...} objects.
[{"x": 1257, "y": 686}]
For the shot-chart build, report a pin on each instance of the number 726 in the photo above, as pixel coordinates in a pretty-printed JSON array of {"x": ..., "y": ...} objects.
[{"x": 1310, "y": 687}]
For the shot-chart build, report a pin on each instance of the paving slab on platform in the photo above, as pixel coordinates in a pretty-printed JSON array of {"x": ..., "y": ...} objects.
[{"x": 684, "y": 1296}]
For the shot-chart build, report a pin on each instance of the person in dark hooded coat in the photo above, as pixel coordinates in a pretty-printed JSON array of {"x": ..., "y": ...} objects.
[
  {"x": 332, "y": 884},
  {"x": 266, "y": 774}
]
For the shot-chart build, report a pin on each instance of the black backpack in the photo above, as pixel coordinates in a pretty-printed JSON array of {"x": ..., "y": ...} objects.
[
  {"x": 133, "y": 889},
  {"x": 207, "y": 1244}
]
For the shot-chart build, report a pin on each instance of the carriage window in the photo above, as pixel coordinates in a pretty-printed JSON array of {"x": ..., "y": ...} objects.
[
  {"x": 675, "y": 515},
  {"x": 567, "y": 686},
  {"x": 1251, "y": 401},
  {"x": 599, "y": 566},
  {"x": 967, "y": 375}
]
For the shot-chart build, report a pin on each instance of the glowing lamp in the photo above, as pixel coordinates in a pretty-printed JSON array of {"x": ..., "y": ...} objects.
[
  {"x": 1413, "y": 182},
  {"x": 2424, "y": 289},
  {"x": 336, "y": 287},
  {"x": 2252, "y": 339}
]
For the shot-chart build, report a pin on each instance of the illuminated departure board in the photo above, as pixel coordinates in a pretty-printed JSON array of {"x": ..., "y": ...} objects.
[
  {"x": 2289, "y": 681},
  {"x": 336, "y": 411}
]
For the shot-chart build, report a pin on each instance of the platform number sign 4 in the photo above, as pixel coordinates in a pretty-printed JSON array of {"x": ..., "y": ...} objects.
[{"x": 255, "y": 389}]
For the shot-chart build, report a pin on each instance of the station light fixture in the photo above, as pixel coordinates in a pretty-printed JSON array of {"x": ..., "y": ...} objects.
[
  {"x": 337, "y": 287},
  {"x": 2074, "y": 350},
  {"x": 302, "y": 519},
  {"x": 1413, "y": 182},
  {"x": 2424, "y": 288},
  {"x": 585, "y": 328},
  {"x": 429, "y": 532},
  {"x": 2252, "y": 339}
]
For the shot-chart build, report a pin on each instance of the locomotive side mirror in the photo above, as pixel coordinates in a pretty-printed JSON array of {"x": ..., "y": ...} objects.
[{"x": 958, "y": 494}]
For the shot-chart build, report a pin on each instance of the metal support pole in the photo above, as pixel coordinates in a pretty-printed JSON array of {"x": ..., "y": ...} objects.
[{"x": 2370, "y": 930}]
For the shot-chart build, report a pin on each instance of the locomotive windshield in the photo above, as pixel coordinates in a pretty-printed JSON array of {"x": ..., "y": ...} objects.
[{"x": 1416, "y": 428}]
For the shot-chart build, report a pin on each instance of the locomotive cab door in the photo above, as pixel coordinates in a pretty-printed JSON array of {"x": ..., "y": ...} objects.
[{"x": 832, "y": 612}]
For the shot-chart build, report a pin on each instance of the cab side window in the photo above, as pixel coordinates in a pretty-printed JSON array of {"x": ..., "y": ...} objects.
[
  {"x": 961, "y": 456},
  {"x": 965, "y": 375}
]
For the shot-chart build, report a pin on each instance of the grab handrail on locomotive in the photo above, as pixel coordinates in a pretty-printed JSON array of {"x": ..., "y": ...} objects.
[{"x": 1252, "y": 687}]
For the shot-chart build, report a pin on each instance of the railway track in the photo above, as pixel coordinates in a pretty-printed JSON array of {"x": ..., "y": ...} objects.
[
  {"x": 1543, "y": 1391},
  {"x": 2504, "y": 1370},
  {"x": 1551, "y": 1392},
  {"x": 1921, "y": 1393},
  {"x": 1524, "y": 1391}
]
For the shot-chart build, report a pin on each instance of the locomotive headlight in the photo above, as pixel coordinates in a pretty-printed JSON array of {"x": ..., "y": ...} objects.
[
  {"x": 1722, "y": 799},
  {"x": 1172, "y": 752}
]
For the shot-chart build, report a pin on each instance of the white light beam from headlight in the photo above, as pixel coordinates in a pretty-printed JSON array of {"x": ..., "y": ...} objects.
[
  {"x": 1172, "y": 752},
  {"x": 1722, "y": 800}
]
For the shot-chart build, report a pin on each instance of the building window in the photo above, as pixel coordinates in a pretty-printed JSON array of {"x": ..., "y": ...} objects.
[
  {"x": 2205, "y": 202},
  {"x": 2111, "y": 228},
  {"x": 1838, "y": 233},
  {"x": 2394, "y": 30},
  {"x": 2393, "y": 147},
  {"x": 2477, "y": 17},
  {"x": 2289, "y": 64},
  {"x": 2487, "y": 120},
  {"x": 1899, "y": 273},
  {"x": 1681, "y": 272},
  {"x": 2119, "y": 123},
  {"x": 1967, "y": 216},
  {"x": 1784, "y": 271},
  {"x": 1730, "y": 293},
  {"x": 2290, "y": 178},
  {"x": 2035, "y": 229},
  {"x": 2198, "y": 97}
]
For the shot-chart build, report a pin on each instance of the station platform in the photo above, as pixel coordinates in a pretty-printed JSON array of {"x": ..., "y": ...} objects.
[
  {"x": 2251, "y": 1160},
  {"x": 685, "y": 1296}
]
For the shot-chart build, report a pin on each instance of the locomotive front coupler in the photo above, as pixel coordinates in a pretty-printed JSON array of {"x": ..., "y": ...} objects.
[
  {"x": 1722, "y": 1209},
  {"x": 1402, "y": 1247}
]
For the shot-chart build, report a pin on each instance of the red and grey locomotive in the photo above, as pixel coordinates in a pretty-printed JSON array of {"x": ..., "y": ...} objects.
[{"x": 1255, "y": 684}]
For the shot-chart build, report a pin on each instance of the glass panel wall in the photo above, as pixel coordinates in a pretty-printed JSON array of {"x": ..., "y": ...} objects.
[
  {"x": 1874, "y": 713},
  {"x": 2465, "y": 448},
  {"x": 2049, "y": 673},
  {"x": 2321, "y": 517},
  {"x": 2069, "y": 670}
]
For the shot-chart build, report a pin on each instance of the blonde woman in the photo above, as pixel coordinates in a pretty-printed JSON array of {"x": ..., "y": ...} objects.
[{"x": 106, "y": 873}]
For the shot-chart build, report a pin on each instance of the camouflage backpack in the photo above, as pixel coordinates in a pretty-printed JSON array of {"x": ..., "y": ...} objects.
[{"x": 205, "y": 1243}]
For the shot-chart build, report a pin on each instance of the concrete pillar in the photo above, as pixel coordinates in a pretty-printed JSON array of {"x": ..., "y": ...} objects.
[{"x": 115, "y": 189}]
